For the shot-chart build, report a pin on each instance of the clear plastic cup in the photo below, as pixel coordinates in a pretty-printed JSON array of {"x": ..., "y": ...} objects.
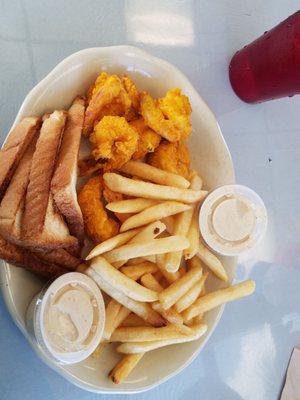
[
  {"x": 64, "y": 294},
  {"x": 232, "y": 219}
]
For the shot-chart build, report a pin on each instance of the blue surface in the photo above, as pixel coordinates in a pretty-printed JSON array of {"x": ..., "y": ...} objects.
[{"x": 247, "y": 356}]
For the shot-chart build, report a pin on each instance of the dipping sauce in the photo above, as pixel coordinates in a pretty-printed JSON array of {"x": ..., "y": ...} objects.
[
  {"x": 69, "y": 318},
  {"x": 232, "y": 219}
]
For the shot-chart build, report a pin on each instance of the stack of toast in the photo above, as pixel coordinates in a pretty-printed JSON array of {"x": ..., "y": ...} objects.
[{"x": 41, "y": 224}]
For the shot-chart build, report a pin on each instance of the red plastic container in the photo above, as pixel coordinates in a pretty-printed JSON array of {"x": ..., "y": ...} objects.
[{"x": 269, "y": 67}]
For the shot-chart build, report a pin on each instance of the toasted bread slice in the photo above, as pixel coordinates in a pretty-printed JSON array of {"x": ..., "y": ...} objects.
[
  {"x": 11, "y": 212},
  {"x": 60, "y": 257},
  {"x": 14, "y": 148},
  {"x": 26, "y": 259},
  {"x": 43, "y": 228},
  {"x": 63, "y": 183},
  {"x": 11, "y": 208}
]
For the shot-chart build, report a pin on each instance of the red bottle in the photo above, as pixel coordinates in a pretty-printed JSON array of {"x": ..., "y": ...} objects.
[{"x": 269, "y": 67}]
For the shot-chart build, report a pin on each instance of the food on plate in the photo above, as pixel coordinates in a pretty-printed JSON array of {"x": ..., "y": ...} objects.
[
  {"x": 149, "y": 190},
  {"x": 123, "y": 368},
  {"x": 122, "y": 283},
  {"x": 154, "y": 213},
  {"x": 155, "y": 175},
  {"x": 139, "y": 271},
  {"x": 169, "y": 296},
  {"x": 145, "y": 346},
  {"x": 43, "y": 228},
  {"x": 171, "y": 157},
  {"x": 191, "y": 295},
  {"x": 63, "y": 184},
  {"x": 182, "y": 226},
  {"x": 14, "y": 147},
  {"x": 114, "y": 141},
  {"x": 169, "y": 116},
  {"x": 112, "y": 243},
  {"x": 221, "y": 296},
  {"x": 148, "y": 139},
  {"x": 177, "y": 109},
  {"x": 130, "y": 205},
  {"x": 12, "y": 204},
  {"x": 98, "y": 225},
  {"x": 24, "y": 258},
  {"x": 109, "y": 97},
  {"x": 156, "y": 246},
  {"x": 138, "y": 203}
]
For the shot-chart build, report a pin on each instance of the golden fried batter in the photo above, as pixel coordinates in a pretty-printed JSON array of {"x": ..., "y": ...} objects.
[
  {"x": 108, "y": 97},
  {"x": 132, "y": 91},
  {"x": 176, "y": 107},
  {"x": 171, "y": 157},
  {"x": 172, "y": 121},
  {"x": 148, "y": 139},
  {"x": 98, "y": 225},
  {"x": 114, "y": 142}
]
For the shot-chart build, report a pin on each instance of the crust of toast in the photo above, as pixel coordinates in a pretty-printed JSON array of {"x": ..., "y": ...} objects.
[
  {"x": 60, "y": 257},
  {"x": 14, "y": 148},
  {"x": 12, "y": 205},
  {"x": 63, "y": 185},
  {"x": 43, "y": 228},
  {"x": 26, "y": 259}
]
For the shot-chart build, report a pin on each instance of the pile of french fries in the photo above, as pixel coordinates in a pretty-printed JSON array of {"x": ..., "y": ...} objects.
[{"x": 154, "y": 271}]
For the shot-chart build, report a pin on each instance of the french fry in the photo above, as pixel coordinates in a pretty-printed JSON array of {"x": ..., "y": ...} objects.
[
  {"x": 194, "y": 262},
  {"x": 191, "y": 295},
  {"x": 150, "y": 282},
  {"x": 170, "y": 276},
  {"x": 137, "y": 271},
  {"x": 153, "y": 247},
  {"x": 156, "y": 175},
  {"x": 112, "y": 243},
  {"x": 137, "y": 347},
  {"x": 182, "y": 225},
  {"x": 193, "y": 236},
  {"x": 212, "y": 262},
  {"x": 122, "y": 315},
  {"x": 143, "y": 310},
  {"x": 171, "y": 315},
  {"x": 121, "y": 282},
  {"x": 182, "y": 271},
  {"x": 158, "y": 275},
  {"x": 133, "y": 320},
  {"x": 111, "y": 312},
  {"x": 123, "y": 368},
  {"x": 81, "y": 267},
  {"x": 177, "y": 289},
  {"x": 146, "y": 333},
  {"x": 154, "y": 213},
  {"x": 131, "y": 205},
  {"x": 170, "y": 223},
  {"x": 147, "y": 233},
  {"x": 221, "y": 296},
  {"x": 131, "y": 187}
]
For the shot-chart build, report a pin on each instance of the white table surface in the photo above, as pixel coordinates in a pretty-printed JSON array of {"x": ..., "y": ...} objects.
[{"x": 247, "y": 356}]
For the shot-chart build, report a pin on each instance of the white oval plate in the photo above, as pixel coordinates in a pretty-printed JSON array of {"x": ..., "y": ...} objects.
[{"x": 210, "y": 156}]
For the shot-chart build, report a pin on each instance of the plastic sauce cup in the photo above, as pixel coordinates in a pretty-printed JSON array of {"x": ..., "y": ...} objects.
[
  {"x": 232, "y": 219},
  {"x": 67, "y": 318}
]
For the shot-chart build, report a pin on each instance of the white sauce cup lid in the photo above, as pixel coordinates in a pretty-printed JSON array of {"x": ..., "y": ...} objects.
[{"x": 232, "y": 219}]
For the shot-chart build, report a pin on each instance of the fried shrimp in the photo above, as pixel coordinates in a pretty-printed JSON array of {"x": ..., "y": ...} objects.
[
  {"x": 107, "y": 97},
  {"x": 114, "y": 142},
  {"x": 133, "y": 94},
  {"x": 148, "y": 139},
  {"x": 176, "y": 107},
  {"x": 171, "y": 157},
  {"x": 172, "y": 120},
  {"x": 98, "y": 225}
]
